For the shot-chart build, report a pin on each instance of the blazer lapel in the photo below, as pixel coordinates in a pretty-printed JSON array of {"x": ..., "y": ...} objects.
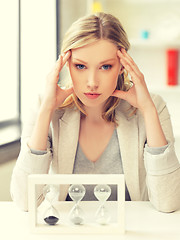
[
  {"x": 128, "y": 141},
  {"x": 68, "y": 139}
]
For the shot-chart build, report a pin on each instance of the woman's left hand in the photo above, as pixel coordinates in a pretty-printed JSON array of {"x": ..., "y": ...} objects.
[{"x": 138, "y": 95}]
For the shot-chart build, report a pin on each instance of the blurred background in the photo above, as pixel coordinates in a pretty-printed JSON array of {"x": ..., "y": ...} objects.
[{"x": 31, "y": 34}]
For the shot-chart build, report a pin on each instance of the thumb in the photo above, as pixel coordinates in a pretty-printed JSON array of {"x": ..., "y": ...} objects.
[
  {"x": 69, "y": 91},
  {"x": 63, "y": 93},
  {"x": 120, "y": 94}
]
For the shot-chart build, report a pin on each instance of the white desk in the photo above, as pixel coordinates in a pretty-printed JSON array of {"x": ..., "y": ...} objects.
[{"x": 142, "y": 222}]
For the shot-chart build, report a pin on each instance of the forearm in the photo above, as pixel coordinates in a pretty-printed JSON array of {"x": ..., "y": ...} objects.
[
  {"x": 38, "y": 140},
  {"x": 27, "y": 163},
  {"x": 163, "y": 179},
  {"x": 154, "y": 132}
]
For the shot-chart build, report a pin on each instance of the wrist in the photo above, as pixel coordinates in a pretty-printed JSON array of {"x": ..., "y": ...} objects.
[
  {"x": 45, "y": 113},
  {"x": 149, "y": 110},
  {"x": 154, "y": 131},
  {"x": 45, "y": 108}
]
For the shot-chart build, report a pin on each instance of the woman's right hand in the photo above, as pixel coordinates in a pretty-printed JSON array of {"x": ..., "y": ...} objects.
[{"x": 54, "y": 96}]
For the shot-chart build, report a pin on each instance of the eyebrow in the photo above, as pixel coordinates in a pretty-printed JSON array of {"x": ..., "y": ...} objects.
[{"x": 107, "y": 60}]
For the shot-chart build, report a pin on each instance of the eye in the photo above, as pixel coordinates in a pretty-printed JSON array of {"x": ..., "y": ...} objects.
[
  {"x": 80, "y": 66},
  {"x": 106, "y": 67}
]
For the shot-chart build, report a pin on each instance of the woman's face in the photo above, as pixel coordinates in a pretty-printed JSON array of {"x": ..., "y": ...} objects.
[{"x": 94, "y": 70}]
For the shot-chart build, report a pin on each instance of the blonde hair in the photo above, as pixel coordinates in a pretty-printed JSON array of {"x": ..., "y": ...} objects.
[{"x": 87, "y": 30}]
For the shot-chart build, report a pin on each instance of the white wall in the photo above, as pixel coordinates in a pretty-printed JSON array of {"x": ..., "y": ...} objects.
[
  {"x": 8, "y": 59},
  {"x": 38, "y": 46},
  {"x": 162, "y": 19}
]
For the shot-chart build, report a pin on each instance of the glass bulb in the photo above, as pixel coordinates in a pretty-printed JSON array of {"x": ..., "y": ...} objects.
[
  {"x": 102, "y": 215},
  {"x": 76, "y": 215},
  {"x": 51, "y": 194},
  {"x": 102, "y": 192},
  {"x": 51, "y": 216},
  {"x": 77, "y": 192}
]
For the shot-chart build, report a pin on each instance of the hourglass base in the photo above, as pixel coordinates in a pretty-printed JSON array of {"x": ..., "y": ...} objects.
[
  {"x": 77, "y": 220},
  {"x": 76, "y": 215},
  {"x": 103, "y": 221},
  {"x": 51, "y": 220},
  {"x": 102, "y": 215}
]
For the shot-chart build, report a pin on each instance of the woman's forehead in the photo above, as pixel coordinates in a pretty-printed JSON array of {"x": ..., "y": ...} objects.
[{"x": 100, "y": 50}]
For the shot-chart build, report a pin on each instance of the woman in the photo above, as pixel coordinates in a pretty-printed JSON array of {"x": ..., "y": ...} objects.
[{"x": 104, "y": 123}]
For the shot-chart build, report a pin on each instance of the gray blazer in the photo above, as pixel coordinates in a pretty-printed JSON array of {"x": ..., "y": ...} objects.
[{"x": 148, "y": 176}]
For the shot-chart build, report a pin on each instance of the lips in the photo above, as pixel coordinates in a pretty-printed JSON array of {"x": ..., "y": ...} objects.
[{"x": 92, "y": 95}]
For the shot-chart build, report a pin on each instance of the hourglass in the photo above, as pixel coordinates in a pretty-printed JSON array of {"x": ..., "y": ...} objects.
[
  {"x": 76, "y": 193},
  {"x": 51, "y": 193},
  {"x": 102, "y": 193}
]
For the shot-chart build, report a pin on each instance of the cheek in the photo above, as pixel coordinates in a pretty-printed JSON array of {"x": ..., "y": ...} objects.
[
  {"x": 75, "y": 81},
  {"x": 113, "y": 81}
]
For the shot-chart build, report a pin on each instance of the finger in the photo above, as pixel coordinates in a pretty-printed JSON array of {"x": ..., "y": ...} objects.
[
  {"x": 66, "y": 93},
  {"x": 124, "y": 55},
  {"x": 131, "y": 62},
  {"x": 130, "y": 65},
  {"x": 66, "y": 56},
  {"x": 61, "y": 61},
  {"x": 69, "y": 91},
  {"x": 129, "y": 68},
  {"x": 58, "y": 65},
  {"x": 120, "y": 94},
  {"x": 124, "y": 52}
]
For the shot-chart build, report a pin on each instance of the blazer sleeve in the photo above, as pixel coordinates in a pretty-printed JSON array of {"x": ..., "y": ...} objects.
[
  {"x": 28, "y": 162},
  {"x": 163, "y": 170}
]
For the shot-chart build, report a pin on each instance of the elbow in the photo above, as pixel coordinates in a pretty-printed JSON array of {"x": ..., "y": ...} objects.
[
  {"x": 19, "y": 197},
  {"x": 166, "y": 206},
  {"x": 20, "y": 202},
  {"x": 21, "y": 205},
  {"x": 164, "y": 191},
  {"x": 23, "y": 208}
]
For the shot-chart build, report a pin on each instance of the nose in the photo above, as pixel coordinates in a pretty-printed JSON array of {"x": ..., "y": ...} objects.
[{"x": 92, "y": 81}]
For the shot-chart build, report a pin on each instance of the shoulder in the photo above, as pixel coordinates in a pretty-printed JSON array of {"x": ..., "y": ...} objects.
[
  {"x": 158, "y": 101},
  {"x": 124, "y": 110},
  {"x": 66, "y": 114}
]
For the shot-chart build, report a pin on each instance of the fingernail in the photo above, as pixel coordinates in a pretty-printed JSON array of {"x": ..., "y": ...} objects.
[{"x": 68, "y": 52}]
